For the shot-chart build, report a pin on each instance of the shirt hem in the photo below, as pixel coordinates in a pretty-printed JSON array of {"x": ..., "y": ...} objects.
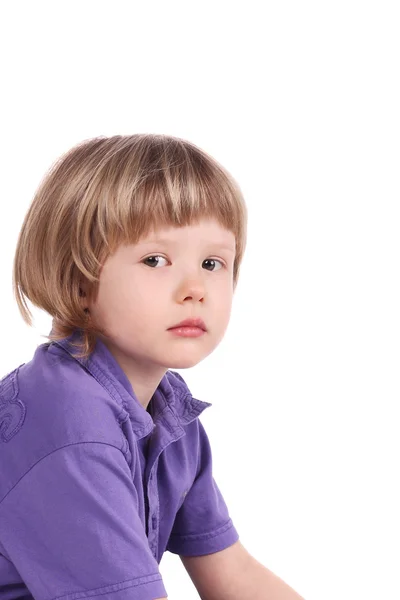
[
  {"x": 149, "y": 587},
  {"x": 203, "y": 543}
]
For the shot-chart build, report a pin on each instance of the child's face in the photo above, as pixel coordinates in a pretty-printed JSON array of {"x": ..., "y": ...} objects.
[{"x": 140, "y": 299}]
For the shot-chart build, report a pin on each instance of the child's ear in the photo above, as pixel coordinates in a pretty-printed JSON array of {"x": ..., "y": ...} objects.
[
  {"x": 82, "y": 294},
  {"x": 82, "y": 287}
]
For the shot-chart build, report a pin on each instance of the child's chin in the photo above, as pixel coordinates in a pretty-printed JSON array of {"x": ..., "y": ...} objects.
[{"x": 184, "y": 363}]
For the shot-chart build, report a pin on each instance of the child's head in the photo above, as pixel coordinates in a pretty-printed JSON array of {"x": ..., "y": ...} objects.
[{"x": 81, "y": 254}]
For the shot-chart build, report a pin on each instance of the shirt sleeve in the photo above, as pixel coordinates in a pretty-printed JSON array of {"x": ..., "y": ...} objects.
[
  {"x": 202, "y": 524},
  {"x": 72, "y": 529}
]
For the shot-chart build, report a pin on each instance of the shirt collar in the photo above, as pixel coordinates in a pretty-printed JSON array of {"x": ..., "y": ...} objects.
[{"x": 172, "y": 397}]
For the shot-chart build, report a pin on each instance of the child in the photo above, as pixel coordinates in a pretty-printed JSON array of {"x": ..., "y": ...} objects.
[{"x": 104, "y": 461}]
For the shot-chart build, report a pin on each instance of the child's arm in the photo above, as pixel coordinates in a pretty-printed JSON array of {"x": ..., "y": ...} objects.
[
  {"x": 208, "y": 544},
  {"x": 71, "y": 527},
  {"x": 233, "y": 574}
]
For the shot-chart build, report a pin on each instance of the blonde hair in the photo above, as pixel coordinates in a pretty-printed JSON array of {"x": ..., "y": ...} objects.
[{"x": 103, "y": 192}]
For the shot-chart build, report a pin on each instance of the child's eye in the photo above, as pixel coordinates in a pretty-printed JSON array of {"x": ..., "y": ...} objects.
[
  {"x": 214, "y": 260},
  {"x": 157, "y": 256},
  {"x": 154, "y": 256}
]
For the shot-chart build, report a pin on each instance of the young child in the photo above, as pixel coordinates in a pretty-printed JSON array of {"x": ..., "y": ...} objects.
[{"x": 133, "y": 244}]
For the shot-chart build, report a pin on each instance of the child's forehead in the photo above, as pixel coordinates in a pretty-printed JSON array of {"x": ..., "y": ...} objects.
[{"x": 209, "y": 230}]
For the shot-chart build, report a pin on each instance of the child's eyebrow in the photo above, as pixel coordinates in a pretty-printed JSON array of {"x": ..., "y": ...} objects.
[{"x": 161, "y": 240}]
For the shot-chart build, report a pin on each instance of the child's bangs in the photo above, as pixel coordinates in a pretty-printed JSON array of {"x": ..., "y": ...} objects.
[{"x": 176, "y": 195}]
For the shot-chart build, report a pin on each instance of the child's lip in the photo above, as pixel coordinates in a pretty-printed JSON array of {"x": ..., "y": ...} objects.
[{"x": 191, "y": 323}]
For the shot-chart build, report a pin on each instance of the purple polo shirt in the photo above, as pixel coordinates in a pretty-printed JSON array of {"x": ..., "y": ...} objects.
[{"x": 93, "y": 489}]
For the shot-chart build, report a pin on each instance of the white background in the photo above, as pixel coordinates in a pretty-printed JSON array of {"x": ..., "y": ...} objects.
[{"x": 300, "y": 102}]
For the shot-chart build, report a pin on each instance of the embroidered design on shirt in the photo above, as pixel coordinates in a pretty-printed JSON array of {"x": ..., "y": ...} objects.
[{"x": 12, "y": 410}]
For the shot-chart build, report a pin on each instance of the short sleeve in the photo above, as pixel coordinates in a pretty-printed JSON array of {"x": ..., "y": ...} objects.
[
  {"x": 202, "y": 524},
  {"x": 71, "y": 528}
]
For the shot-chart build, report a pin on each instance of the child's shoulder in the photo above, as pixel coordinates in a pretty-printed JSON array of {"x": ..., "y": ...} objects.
[
  {"x": 61, "y": 387},
  {"x": 47, "y": 404}
]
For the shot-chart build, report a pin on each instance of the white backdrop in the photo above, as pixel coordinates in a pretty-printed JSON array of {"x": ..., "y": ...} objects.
[{"x": 300, "y": 102}]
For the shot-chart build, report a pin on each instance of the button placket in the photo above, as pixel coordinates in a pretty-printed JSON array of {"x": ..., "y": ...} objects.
[{"x": 153, "y": 521}]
